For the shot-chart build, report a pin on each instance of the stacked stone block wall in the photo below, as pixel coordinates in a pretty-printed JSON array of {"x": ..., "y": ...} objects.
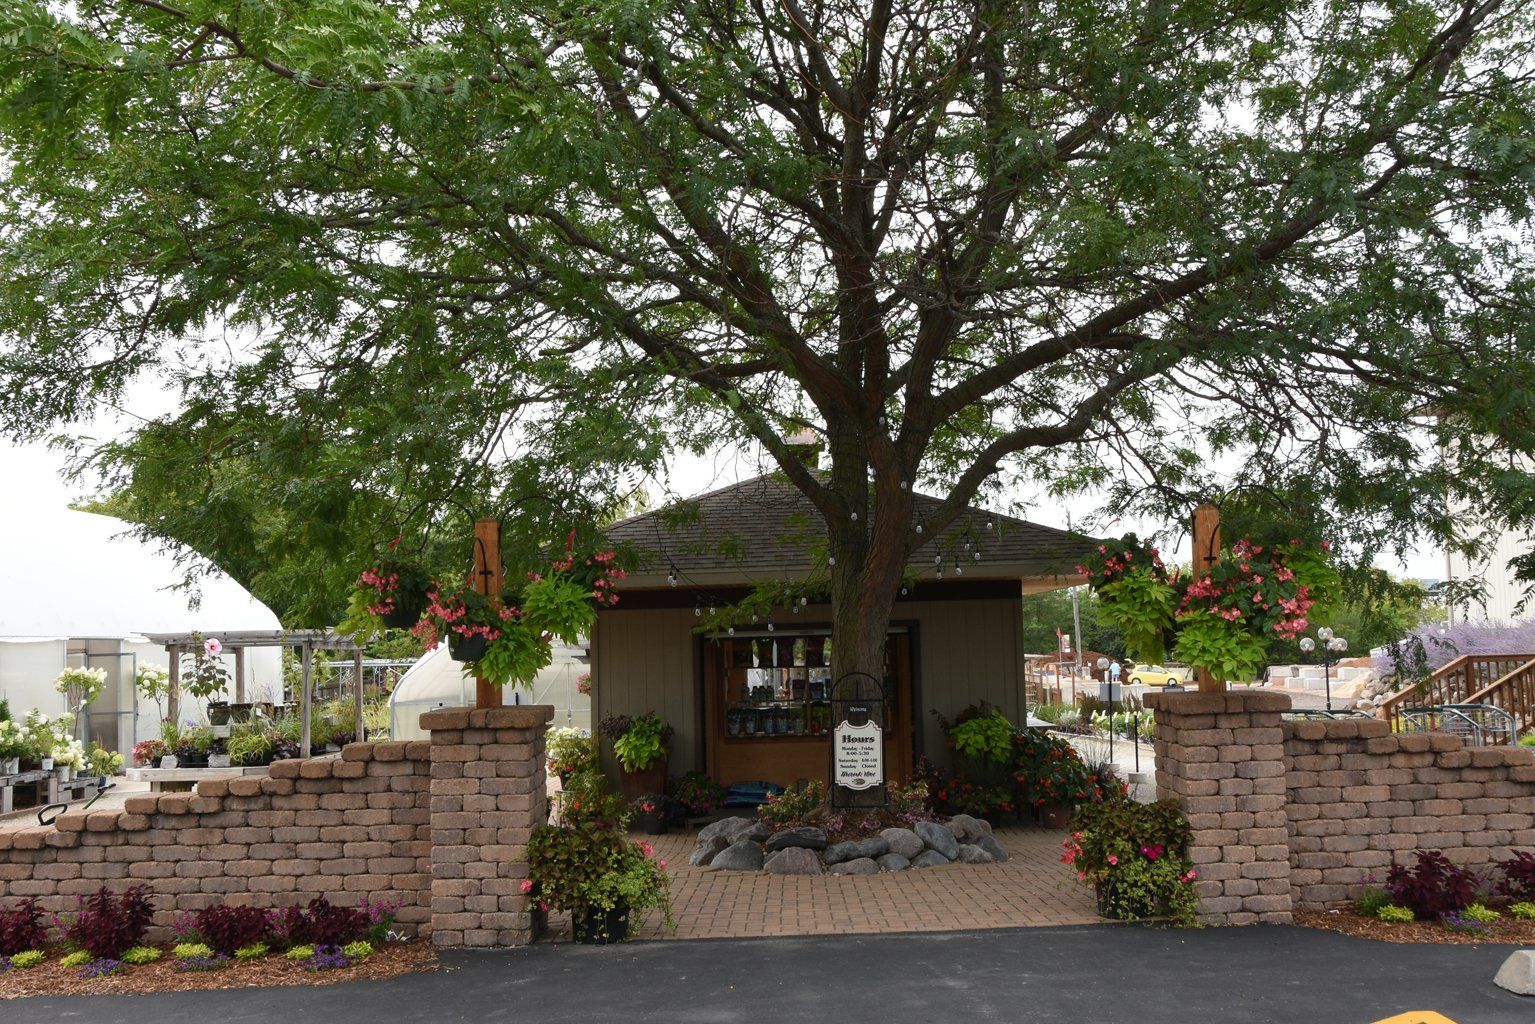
[
  {"x": 342, "y": 827},
  {"x": 1291, "y": 815},
  {"x": 487, "y": 793},
  {"x": 1361, "y": 798},
  {"x": 1221, "y": 756}
]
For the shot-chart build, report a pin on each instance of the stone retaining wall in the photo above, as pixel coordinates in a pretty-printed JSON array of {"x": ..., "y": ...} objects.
[
  {"x": 1360, "y": 798},
  {"x": 345, "y": 827},
  {"x": 439, "y": 826},
  {"x": 1294, "y": 815}
]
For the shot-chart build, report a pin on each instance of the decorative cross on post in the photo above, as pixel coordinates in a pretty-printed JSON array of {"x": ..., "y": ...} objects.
[{"x": 488, "y": 580}]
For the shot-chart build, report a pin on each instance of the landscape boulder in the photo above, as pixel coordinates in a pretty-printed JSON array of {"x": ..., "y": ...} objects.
[
  {"x": 743, "y": 855},
  {"x": 793, "y": 860},
  {"x": 938, "y": 839},
  {"x": 1518, "y": 973},
  {"x": 988, "y": 842},
  {"x": 968, "y": 829},
  {"x": 973, "y": 854},
  {"x": 893, "y": 862},
  {"x": 903, "y": 841},
  {"x": 857, "y": 866},
  {"x": 802, "y": 836},
  {"x": 930, "y": 859}
]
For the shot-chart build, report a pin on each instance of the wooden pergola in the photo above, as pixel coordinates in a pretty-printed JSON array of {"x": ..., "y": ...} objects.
[{"x": 239, "y": 641}]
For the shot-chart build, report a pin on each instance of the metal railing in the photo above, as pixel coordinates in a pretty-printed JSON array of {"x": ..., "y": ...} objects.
[{"x": 1478, "y": 725}]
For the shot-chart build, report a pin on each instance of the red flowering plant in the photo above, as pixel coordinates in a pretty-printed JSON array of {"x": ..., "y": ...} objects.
[
  {"x": 963, "y": 796},
  {"x": 1048, "y": 770},
  {"x": 1135, "y": 856}
]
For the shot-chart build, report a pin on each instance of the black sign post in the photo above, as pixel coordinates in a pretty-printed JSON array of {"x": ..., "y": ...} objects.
[{"x": 859, "y": 723}]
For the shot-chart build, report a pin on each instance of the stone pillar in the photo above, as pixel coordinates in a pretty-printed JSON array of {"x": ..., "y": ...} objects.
[
  {"x": 1221, "y": 756},
  {"x": 487, "y": 794}
]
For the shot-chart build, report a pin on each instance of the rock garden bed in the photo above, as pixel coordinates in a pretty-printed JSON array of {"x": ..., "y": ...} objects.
[{"x": 746, "y": 844}]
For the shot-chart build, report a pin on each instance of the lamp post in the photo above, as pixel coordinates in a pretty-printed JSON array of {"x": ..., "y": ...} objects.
[
  {"x": 1330, "y": 644},
  {"x": 1103, "y": 666}
]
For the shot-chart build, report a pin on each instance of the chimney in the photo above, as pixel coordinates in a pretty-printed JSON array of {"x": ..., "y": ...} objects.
[{"x": 806, "y": 444}]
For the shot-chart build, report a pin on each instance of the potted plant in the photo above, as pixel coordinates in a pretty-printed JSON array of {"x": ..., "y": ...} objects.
[
  {"x": 13, "y": 746},
  {"x": 463, "y": 616},
  {"x": 695, "y": 794},
  {"x": 102, "y": 762},
  {"x": 80, "y": 686},
  {"x": 652, "y": 812},
  {"x": 587, "y": 866},
  {"x": 147, "y": 753},
  {"x": 569, "y": 750},
  {"x": 249, "y": 745},
  {"x": 981, "y": 738},
  {"x": 642, "y": 746},
  {"x": 170, "y": 736},
  {"x": 1134, "y": 857},
  {"x": 204, "y": 674},
  {"x": 394, "y": 588}
]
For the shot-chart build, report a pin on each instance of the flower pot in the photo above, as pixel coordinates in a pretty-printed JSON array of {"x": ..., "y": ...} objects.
[
  {"x": 1115, "y": 906},
  {"x": 594, "y": 926},
  {"x": 10, "y": 766},
  {"x": 1055, "y": 815},
  {"x": 155, "y": 762},
  {"x": 218, "y": 713},
  {"x": 218, "y": 760},
  {"x": 66, "y": 773},
  {"x": 633, "y": 785},
  {"x": 466, "y": 648},
  {"x": 407, "y": 610},
  {"x": 168, "y": 761},
  {"x": 46, "y": 764},
  {"x": 652, "y": 824}
]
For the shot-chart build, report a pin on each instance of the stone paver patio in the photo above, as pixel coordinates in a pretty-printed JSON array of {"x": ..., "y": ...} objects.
[{"x": 1033, "y": 889}]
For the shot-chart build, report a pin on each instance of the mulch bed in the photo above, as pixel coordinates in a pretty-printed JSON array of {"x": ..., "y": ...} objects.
[
  {"x": 1506, "y": 930},
  {"x": 50, "y": 979}
]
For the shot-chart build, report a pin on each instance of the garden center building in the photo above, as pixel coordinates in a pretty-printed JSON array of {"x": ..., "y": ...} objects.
[{"x": 752, "y": 706}]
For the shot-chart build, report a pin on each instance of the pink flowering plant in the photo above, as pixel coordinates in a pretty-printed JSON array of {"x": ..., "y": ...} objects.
[
  {"x": 1135, "y": 857},
  {"x": 1253, "y": 591},
  {"x": 1136, "y": 594}
]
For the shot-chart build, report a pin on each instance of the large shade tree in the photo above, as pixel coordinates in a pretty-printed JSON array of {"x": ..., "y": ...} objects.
[{"x": 1142, "y": 246}]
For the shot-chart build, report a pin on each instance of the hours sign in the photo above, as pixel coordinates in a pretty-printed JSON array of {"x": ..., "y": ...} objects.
[{"x": 858, "y": 755}]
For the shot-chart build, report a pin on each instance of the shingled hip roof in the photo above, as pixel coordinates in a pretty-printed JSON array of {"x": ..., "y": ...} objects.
[{"x": 766, "y": 527}]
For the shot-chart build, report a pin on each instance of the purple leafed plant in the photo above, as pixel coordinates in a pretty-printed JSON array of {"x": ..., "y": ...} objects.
[
  {"x": 21, "y": 928},
  {"x": 1432, "y": 887},
  {"x": 327, "y": 958}
]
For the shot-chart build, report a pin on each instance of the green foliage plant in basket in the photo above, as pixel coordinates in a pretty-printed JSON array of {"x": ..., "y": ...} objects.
[
  {"x": 987, "y": 738},
  {"x": 1135, "y": 592},
  {"x": 644, "y": 744}
]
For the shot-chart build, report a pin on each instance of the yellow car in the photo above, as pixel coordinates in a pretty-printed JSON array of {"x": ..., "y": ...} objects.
[{"x": 1157, "y": 675}]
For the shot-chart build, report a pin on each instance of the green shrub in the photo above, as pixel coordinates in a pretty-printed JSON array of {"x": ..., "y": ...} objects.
[
  {"x": 1528, "y": 739},
  {"x": 644, "y": 744},
  {"x": 141, "y": 955},
  {"x": 299, "y": 953},
  {"x": 1523, "y": 911},
  {"x": 79, "y": 958},
  {"x": 987, "y": 738},
  {"x": 188, "y": 950},
  {"x": 28, "y": 958},
  {"x": 1392, "y": 912},
  {"x": 1370, "y": 901},
  {"x": 1478, "y": 912},
  {"x": 357, "y": 950},
  {"x": 255, "y": 951}
]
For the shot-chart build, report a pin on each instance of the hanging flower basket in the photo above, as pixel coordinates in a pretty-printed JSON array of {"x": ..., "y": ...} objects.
[{"x": 467, "y": 648}]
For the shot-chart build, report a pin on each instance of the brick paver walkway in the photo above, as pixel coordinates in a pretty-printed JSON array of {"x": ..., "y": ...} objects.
[{"x": 1033, "y": 889}]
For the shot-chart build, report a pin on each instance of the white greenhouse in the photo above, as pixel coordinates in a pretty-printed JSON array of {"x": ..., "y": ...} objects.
[
  {"x": 80, "y": 592},
  {"x": 437, "y": 681}
]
